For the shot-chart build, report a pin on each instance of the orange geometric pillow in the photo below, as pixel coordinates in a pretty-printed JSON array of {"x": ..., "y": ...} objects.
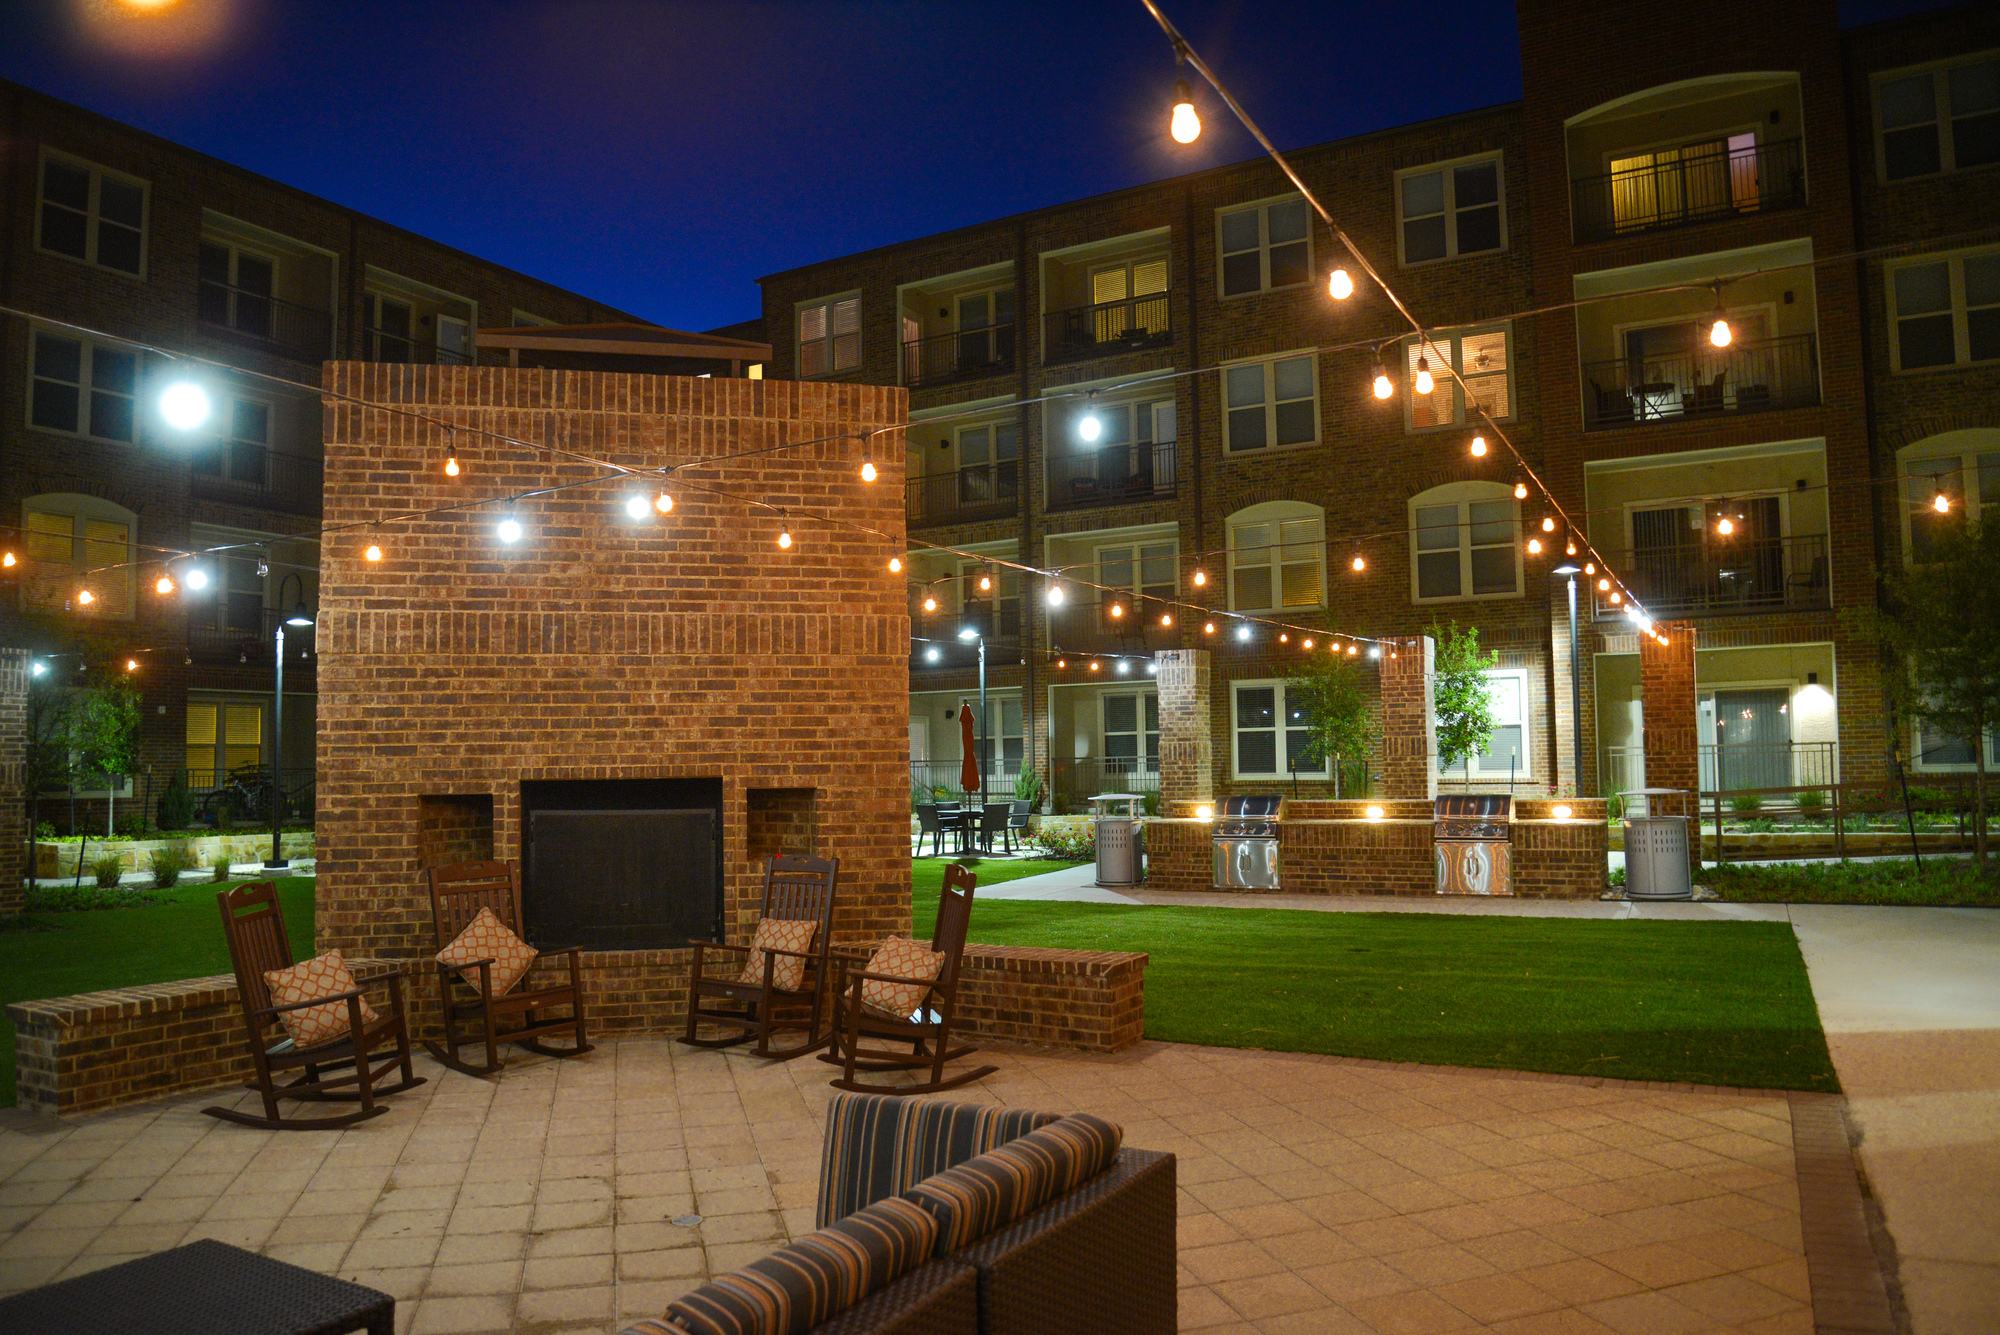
[
  {"x": 322, "y": 976},
  {"x": 900, "y": 959},
  {"x": 487, "y": 938},
  {"x": 788, "y": 973}
]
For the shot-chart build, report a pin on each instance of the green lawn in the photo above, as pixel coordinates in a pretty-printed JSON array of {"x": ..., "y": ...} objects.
[
  {"x": 60, "y": 954},
  {"x": 1712, "y": 1003}
]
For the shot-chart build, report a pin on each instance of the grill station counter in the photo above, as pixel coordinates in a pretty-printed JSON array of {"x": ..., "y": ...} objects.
[
  {"x": 1246, "y": 842},
  {"x": 1474, "y": 834}
]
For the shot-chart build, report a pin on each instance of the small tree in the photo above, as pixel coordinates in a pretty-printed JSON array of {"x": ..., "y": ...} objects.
[
  {"x": 1945, "y": 629},
  {"x": 1334, "y": 695},
  {"x": 1461, "y": 698},
  {"x": 105, "y": 734}
]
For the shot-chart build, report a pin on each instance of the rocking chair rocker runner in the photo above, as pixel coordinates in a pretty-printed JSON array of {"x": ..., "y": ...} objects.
[
  {"x": 928, "y": 1028},
  {"x": 797, "y": 889},
  {"x": 341, "y": 1069},
  {"x": 520, "y": 1016}
]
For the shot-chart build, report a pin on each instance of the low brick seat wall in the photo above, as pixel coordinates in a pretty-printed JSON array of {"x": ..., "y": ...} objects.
[{"x": 99, "y": 1050}]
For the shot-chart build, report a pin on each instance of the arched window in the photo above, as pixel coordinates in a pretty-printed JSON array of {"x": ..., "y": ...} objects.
[
  {"x": 75, "y": 543},
  {"x": 1465, "y": 542},
  {"x": 1961, "y": 469},
  {"x": 1277, "y": 557}
]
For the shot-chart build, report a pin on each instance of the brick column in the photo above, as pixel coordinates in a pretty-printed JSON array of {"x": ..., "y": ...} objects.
[
  {"x": 13, "y": 779},
  {"x": 1187, "y": 755},
  {"x": 1409, "y": 717},
  {"x": 1667, "y": 698}
]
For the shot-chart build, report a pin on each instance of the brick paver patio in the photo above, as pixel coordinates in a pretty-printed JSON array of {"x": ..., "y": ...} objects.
[{"x": 1316, "y": 1195}]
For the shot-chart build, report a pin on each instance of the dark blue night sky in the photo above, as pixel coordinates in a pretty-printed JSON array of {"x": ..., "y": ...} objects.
[{"x": 662, "y": 156}]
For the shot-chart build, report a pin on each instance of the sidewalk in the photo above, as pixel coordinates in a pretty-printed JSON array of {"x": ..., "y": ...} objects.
[{"x": 1910, "y": 1002}]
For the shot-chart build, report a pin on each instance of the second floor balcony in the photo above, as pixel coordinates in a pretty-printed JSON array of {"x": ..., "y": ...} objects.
[
  {"x": 1721, "y": 577},
  {"x": 398, "y": 344},
  {"x": 1748, "y": 376},
  {"x": 968, "y": 354},
  {"x": 1690, "y": 183},
  {"x": 1134, "y": 628},
  {"x": 983, "y": 491},
  {"x": 284, "y": 328},
  {"x": 1110, "y": 327},
  {"x": 1112, "y": 475},
  {"x": 265, "y": 478}
]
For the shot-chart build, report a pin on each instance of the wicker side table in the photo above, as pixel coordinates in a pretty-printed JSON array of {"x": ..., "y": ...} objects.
[{"x": 204, "y": 1288}]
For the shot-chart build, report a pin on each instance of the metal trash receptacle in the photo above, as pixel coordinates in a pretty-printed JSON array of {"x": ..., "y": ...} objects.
[
  {"x": 1656, "y": 848},
  {"x": 1121, "y": 838}
]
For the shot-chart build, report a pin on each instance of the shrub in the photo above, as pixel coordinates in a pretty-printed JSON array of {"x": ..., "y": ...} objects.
[
  {"x": 82, "y": 898},
  {"x": 45, "y": 830},
  {"x": 168, "y": 861},
  {"x": 1614, "y": 808},
  {"x": 132, "y": 825},
  {"x": 1059, "y": 841},
  {"x": 176, "y": 805},
  {"x": 1150, "y": 803},
  {"x": 220, "y": 867},
  {"x": 1811, "y": 802},
  {"x": 1744, "y": 804},
  {"x": 1028, "y": 788},
  {"x": 107, "y": 870}
]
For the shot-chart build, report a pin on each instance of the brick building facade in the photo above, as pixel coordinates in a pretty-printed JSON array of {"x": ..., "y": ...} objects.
[{"x": 1568, "y": 253}]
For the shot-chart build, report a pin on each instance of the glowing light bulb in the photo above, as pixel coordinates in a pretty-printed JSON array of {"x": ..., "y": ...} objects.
[
  {"x": 1384, "y": 386},
  {"x": 1166, "y": 618},
  {"x": 1118, "y": 609},
  {"x": 1603, "y": 585},
  {"x": 7, "y": 560},
  {"x": 1520, "y": 491},
  {"x": 1305, "y": 644},
  {"x": 1590, "y": 567},
  {"x": 165, "y": 585},
  {"x": 1560, "y": 812},
  {"x": 895, "y": 565},
  {"x": 1719, "y": 333},
  {"x": 1186, "y": 126},
  {"x": 1479, "y": 447},
  {"x": 785, "y": 537},
  {"x": 1725, "y": 526},
  {"x": 1204, "y": 812},
  {"x": 1090, "y": 426},
  {"x": 1284, "y": 638},
  {"x": 131, "y": 665},
  {"x": 86, "y": 597},
  {"x": 1093, "y": 665},
  {"x": 1243, "y": 632},
  {"x": 636, "y": 506},
  {"x": 1359, "y": 562},
  {"x": 1615, "y": 599},
  {"x": 1055, "y": 595},
  {"x": 930, "y": 604},
  {"x": 197, "y": 578},
  {"x": 1374, "y": 813},
  {"x": 1570, "y": 549},
  {"x": 373, "y": 553},
  {"x": 509, "y": 530},
  {"x": 867, "y": 470},
  {"x": 985, "y": 583},
  {"x": 931, "y": 654},
  {"x": 1200, "y": 576},
  {"x": 1941, "y": 503},
  {"x": 1548, "y": 524},
  {"x": 1424, "y": 382},
  {"x": 1534, "y": 546},
  {"x": 184, "y": 405},
  {"x": 1339, "y": 286},
  {"x": 1062, "y": 662},
  {"x": 1663, "y": 644},
  {"x": 451, "y": 466},
  {"x": 1123, "y": 667},
  {"x": 1208, "y": 628}
]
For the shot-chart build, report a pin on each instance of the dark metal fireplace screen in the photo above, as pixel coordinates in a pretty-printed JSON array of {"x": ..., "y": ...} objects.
[{"x": 623, "y": 880}]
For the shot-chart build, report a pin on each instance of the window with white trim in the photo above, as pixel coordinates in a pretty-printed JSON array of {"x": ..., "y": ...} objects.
[
  {"x": 1941, "y": 119},
  {"x": 995, "y": 611},
  {"x": 84, "y": 388},
  {"x": 1963, "y": 467},
  {"x": 222, "y": 735},
  {"x": 1465, "y": 542},
  {"x": 92, "y": 213},
  {"x": 829, "y": 336},
  {"x": 1265, "y": 246},
  {"x": 1269, "y": 734},
  {"x": 1506, "y": 753},
  {"x": 1450, "y": 209},
  {"x": 72, "y": 543},
  {"x": 1945, "y": 310},
  {"x": 241, "y": 450},
  {"x": 1146, "y": 576},
  {"x": 1277, "y": 557},
  {"x": 236, "y": 287},
  {"x": 1481, "y": 356},
  {"x": 1268, "y": 403},
  {"x": 1131, "y": 727}
]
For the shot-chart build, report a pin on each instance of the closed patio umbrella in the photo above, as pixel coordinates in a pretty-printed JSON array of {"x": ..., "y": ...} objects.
[{"x": 968, "y": 769}]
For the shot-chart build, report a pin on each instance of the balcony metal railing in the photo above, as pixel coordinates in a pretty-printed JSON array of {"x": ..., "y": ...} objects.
[
  {"x": 984, "y": 491},
  {"x": 283, "y": 327},
  {"x": 1727, "y": 767},
  {"x": 935, "y": 646},
  {"x": 1109, "y": 327},
  {"x": 1704, "y": 181},
  {"x": 966, "y": 355},
  {"x": 1749, "y": 376},
  {"x": 1112, "y": 475},
  {"x": 1072, "y": 783},
  {"x": 1720, "y": 576},
  {"x": 252, "y": 475},
  {"x": 386, "y": 345},
  {"x": 928, "y": 777},
  {"x": 230, "y": 646},
  {"x": 1083, "y": 629}
]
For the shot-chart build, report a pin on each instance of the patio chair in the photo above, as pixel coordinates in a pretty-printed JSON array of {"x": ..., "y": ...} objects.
[
  {"x": 1017, "y": 822},
  {"x": 927, "y": 1028},
  {"x": 466, "y": 995},
  {"x": 339, "y": 1069},
  {"x": 993, "y": 824},
  {"x": 930, "y": 827},
  {"x": 749, "y": 991}
]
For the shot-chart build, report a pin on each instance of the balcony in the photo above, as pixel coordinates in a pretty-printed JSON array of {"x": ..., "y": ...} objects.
[
  {"x": 1749, "y": 376},
  {"x": 283, "y": 328},
  {"x": 1111, "y": 327},
  {"x": 1112, "y": 475},
  {"x": 1083, "y": 629},
  {"x": 1694, "y": 183},
  {"x": 985, "y": 491},
  {"x": 229, "y": 646},
  {"x": 1719, "y": 577},
  {"x": 395, "y": 345},
  {"x": 252, "y": 475},
  {"x": 935, "y": 646},
  {"x": 968, "y": 354}
]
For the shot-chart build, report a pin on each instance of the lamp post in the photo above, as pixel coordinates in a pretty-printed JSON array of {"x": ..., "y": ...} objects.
[
  {"x": 969, "y": 633},
  {"x": 299, "y": 617},
  {"x": 1570, "y": 570}
]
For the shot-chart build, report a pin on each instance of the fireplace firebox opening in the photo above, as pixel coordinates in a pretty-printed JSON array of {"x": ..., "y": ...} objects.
[{"x": 622, "y": 864}]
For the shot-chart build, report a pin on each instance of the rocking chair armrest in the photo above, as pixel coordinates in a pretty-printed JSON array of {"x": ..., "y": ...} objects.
[
  {"x": 891, "y": 978},
  {"x": 546, "y": 951},
  {"x": 806, "y": 955},
  {"x": 719, "y": 945},
  {"x": 354, "y": 992},
  {"x": 470, "y": 966}
]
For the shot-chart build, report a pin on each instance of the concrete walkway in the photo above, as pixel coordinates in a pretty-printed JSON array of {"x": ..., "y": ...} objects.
[{"x": 1910, "y": 1002}]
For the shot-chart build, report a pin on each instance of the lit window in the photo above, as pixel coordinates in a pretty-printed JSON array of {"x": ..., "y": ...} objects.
[
  {"x": 1265, "y": 246},
  {"x": 74, "y": 542},
  {"x": 1451, "y": 209},
  {"x": 1480, "y": 356},
  {"x": 1465, "y": 543},
  {"x": 829, "y": 336},
  {"x": 1962, "y": 467},
  {"x": 1946, "y": 118},
  {"x": 1277, "y": 557},
  {"x": 84, "y": 388},
  {"x": 1506, "y": 753},
  {"x": 1946, "y": 312},
  {"x": 92, "y": 214},
  {"x": 1270, "y": 403},
  {"x": 1259, "y": 714}
]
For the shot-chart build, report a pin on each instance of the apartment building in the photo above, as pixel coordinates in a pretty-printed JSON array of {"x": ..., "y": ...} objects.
[
  {"x": 127, "y": 249},
  {"x": 1154, "y": 390}
]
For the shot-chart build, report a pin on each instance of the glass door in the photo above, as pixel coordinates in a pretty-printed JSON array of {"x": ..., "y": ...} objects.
[{"x": 1753, "y": 736}]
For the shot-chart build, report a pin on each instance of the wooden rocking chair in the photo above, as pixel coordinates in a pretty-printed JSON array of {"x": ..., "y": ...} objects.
[
  {"x": 796, "y": 889},
  {"x": 458, "y": 892},
  {"x": 928, "y": 1029},
  {"x": 255, "y": 930}
]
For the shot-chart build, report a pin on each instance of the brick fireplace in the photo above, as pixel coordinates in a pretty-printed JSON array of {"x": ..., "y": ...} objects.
[{"x": 472, "y": 691}]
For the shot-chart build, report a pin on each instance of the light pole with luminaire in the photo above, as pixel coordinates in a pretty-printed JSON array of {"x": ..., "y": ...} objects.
[
  {"x": 298, "y": 617},
  {"x": 1571, "y": 570},
  {"x": 969, "y": 634}
]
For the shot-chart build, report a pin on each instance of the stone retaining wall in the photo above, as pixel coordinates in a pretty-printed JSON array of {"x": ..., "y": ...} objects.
[{"x": 59, "y": 859}]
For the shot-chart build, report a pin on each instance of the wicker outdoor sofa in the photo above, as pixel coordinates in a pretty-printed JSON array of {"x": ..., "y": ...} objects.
[{"x": 955, "y": 1219}]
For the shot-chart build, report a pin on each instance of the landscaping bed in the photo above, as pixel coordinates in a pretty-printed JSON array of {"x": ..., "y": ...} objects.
[{"x": 1943, "y": 881}]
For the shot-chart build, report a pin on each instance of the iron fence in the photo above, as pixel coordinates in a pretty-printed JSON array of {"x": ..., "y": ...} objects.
[
  {"x": 1113, "y": 475},
  {"x": 965, "y": 355},
  {"x": 934, "y": 780},
  {"x": 1732, "y": 767},
  {"x": 984, "y": 491},
  {"x": 1689, "y": 184},
  {"x": 1749, "y": 376},
  {"x": 1082, "y": 332},
  {"x": 1072, "y": 783},
  {"x": 286, "y": 328},
  {"x": 1090, "y": 628}
]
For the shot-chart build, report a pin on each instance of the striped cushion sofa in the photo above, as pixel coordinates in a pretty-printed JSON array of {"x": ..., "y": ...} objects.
[{"x": 955, "y": 1219}]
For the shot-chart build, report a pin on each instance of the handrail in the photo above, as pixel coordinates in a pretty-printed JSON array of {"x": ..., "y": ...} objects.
[
  {"x": 964, "y": 355},
  {"x": 1748, "y": 376},
  {"x": 1692, "y": 186},
  {"x": 1106, "y": 327},
  {"x": 1713, "y": 575},
  {"x": 287, "y": 327},
  {"x": 1112, "y": 475},
  {"x": 982, "y": 491}
]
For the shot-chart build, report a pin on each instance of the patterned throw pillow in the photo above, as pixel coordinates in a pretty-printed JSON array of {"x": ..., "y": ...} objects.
[
  {"x": 900, "y": 959},
  {"x": 487, "y": 938},
  {"x": 322, "y": 976},
  {"x": 789, "y": 973}
]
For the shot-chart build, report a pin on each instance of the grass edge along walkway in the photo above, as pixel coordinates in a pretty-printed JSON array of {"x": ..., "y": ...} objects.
[{"x": 1723, "y": 1003}]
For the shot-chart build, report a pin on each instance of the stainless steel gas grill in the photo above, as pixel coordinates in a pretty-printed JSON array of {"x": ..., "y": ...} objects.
[
  {"x": 1475, "y": 844},
  {"x": 1246, "y": 842}
]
